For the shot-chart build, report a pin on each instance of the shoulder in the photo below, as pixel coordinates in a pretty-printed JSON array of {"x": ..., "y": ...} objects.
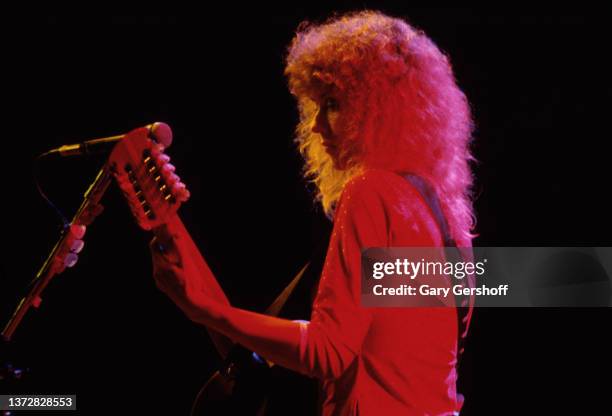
[
  {"x": 378, "y": 184},
  {"x": 392, "y": 202},
  {"x": 382, "y": 195}
]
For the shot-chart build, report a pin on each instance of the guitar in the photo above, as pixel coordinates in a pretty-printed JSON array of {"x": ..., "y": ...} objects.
[{"x": 154, "y": 194}]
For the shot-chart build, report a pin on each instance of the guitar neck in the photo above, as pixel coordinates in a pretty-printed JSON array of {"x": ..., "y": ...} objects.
[{"x": 175, "y": 229}]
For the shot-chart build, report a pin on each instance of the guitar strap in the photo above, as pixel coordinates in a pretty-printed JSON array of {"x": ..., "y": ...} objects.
[{"x": 464, "y": 304}]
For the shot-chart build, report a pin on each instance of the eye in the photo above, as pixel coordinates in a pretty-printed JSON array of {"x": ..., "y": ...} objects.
[{"x": 331, "y": 104}]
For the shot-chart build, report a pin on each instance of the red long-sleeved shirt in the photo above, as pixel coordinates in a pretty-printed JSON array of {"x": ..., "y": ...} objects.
[{"x": 391, "y": 361}]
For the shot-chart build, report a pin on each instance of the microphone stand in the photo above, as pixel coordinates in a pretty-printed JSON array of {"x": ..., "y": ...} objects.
[{"x": 56, "y": 262}]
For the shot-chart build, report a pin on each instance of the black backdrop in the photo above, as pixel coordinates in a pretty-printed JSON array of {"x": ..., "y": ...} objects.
[{"x": 539, "y": 85}]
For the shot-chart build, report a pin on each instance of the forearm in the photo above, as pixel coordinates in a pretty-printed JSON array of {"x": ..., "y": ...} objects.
[
  {"x": 312, "y": 349},
  {"x": 277, "y": 340}
]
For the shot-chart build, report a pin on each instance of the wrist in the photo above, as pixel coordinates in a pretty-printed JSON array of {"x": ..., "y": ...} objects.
[{"x": 212, "y": 314}]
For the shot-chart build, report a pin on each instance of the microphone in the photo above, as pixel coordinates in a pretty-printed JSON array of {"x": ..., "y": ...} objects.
[{"x": 160, "y": 132}]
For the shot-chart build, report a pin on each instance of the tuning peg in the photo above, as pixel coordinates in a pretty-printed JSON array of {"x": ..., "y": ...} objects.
[
  {"x": 78, "y": 231},
  {"x": 178, "y": 187},
  {"x": 162, "y": 158},
  {"x": 172, "y": 179},
  {"x": 77, "y": 246},
  {"x": 70, "y": 259},
  {"x": 168, "y": 168},
  {"x": 184, "y": 195},
  {"x": 157, "y": 149},
  {"x": 180, "y": 190}
]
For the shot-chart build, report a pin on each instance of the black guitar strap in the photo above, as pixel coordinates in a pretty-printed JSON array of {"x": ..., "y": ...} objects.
[{"x": 464, "y": 304}]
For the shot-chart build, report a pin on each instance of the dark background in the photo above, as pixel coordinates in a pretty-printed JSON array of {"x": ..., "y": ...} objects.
[{"x": 539, "y": 85}]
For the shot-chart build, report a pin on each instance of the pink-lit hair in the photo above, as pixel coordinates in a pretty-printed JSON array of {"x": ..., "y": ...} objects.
[{"x": 404, "y": 111}]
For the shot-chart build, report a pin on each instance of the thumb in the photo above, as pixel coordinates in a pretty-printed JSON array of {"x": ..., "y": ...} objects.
[{"x": 165, "y": 250}]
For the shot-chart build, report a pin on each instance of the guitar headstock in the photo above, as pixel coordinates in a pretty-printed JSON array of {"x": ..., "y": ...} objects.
[{"x": 153, "y": 190}]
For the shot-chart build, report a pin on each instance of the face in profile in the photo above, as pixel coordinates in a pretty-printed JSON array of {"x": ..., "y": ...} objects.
[{"x": 327, "y": 125}]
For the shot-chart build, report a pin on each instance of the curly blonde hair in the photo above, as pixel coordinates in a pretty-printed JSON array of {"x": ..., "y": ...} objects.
[{"x": 404, "y": 111}]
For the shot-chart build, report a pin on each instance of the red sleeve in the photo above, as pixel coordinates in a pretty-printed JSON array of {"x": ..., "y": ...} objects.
[{"x": 339, "y": 323}]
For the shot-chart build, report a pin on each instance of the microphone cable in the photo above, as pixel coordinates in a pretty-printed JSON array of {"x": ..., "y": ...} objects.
[{"x": 35, "y": 173}]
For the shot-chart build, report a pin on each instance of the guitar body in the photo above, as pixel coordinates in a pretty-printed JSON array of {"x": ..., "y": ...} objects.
[
  {"x": 276, "y": 392},
  {"x": 226, "y": 395}
]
